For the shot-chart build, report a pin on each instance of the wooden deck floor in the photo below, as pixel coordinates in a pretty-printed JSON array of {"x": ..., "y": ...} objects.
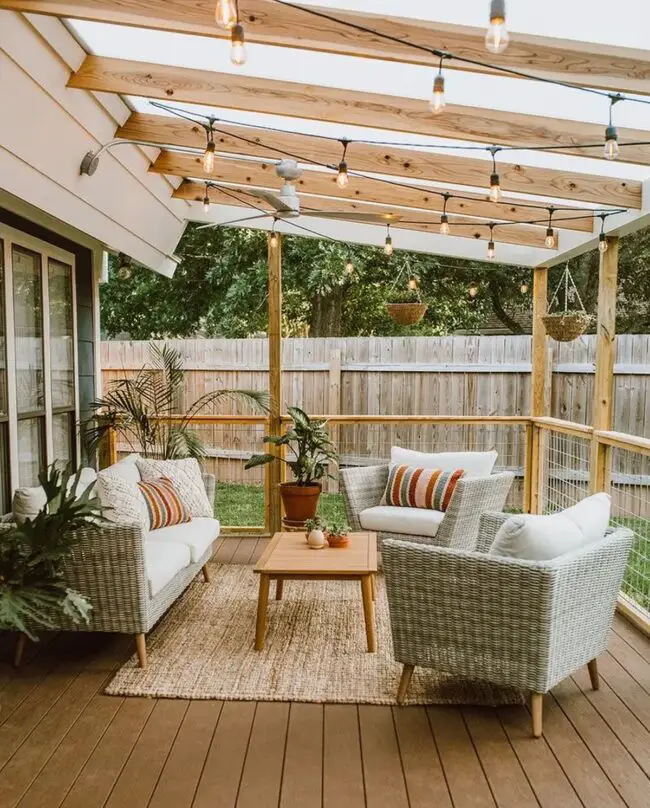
[{"x": 62, "y": 743}]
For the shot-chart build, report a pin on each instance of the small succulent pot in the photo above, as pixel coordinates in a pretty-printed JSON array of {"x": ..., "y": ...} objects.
[
  {"x": 338, "y": 534},
  {"x": 315, "y": 534}
]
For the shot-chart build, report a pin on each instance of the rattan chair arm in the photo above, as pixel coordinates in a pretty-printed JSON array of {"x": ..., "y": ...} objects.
[{"x": 362, "y": 488}]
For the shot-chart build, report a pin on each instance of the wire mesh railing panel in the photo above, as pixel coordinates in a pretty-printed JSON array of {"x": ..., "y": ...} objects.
[
  {"x": 565, "y": 475},
  {"x": 631, "y": 509}
]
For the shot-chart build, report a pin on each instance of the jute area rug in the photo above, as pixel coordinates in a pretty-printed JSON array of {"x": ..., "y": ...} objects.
[{"x": 315, "y": 649}]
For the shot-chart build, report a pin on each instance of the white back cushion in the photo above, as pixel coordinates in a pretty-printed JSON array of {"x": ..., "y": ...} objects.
[
  {"x": 475, "y": 464},
  {"x": 27, "y": 502},
  {"x": 540, "y": 538},
  {"x": 127, "y": 468}
]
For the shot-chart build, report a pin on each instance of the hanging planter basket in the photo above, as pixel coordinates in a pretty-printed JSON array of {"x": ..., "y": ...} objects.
[
  {"x": 407, "y": 313},
  {"x": 567, "y": 325}
]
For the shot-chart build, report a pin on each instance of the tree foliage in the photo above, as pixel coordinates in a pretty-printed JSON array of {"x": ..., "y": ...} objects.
[{"x": 220, "y": 289}]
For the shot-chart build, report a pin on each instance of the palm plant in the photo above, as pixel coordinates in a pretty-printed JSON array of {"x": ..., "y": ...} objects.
[
  {"x": 33, "y": 592},
  {"x": 141, "y": 410}
]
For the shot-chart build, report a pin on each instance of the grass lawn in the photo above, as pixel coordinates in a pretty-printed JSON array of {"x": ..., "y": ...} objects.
[{"x": 243, "y": 505}]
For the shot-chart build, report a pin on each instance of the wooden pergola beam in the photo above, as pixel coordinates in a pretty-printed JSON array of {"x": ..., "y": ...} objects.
[
  {"x": 271, "y": 23},
  {"x": 274, "y": 471},
  {"x": 292, "y": 99},
  {"x": 421, "y": 221},
  {"x": 539, "y": 394},
  {"x": 402, "y": 163}
]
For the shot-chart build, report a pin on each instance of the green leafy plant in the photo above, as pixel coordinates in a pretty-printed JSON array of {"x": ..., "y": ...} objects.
[
  {"x": 32, "y": 557},
  {"x": 405, "y": 296},
  {"x": 311, "y": 447},
  {"x": 140, "y": 409},
  {"x": 338, "y": 527},
  {"x": 317, "y": 523}
]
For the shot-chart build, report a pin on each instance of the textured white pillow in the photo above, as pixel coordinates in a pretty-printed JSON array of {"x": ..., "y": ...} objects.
[
  {"x": 475, "y": 464},
  {"x": 186, "y": 476},
  {"x": 121, "y": 499},
  {"x": 539, "y": 538},
  {"x": 27, "y": 502},
  {"x": 127, "y": 468}
]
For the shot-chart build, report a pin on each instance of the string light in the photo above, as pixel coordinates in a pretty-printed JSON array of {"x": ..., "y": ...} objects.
[
  {"x": 206, "y": 200},
  {"x": 495, "y": 183},
  {"x": 497, "y": 37},
  {"x": 491, "y": 249},
  {"x": 349, "y": 266},
  {"x": 226, "y": 13},
  {"x": 210, "y": 149},
  {"x": 612, "y": 149},
  {"x": 437, "y": 103},
  {"x": 413, "y": 285},
  {"x": 388, "y": 244},
  {"x": 274, "y": 240},
  {"x": 550, "y": 233},
  {"x": 342, "y": 178},
  {"x": 602, "y": 238},
  {"x": 444, "y": 219},
  {"x": 473, "y": 290},
  {"x": 238, "y": 45},
  {"x": 523, "y": 288}
]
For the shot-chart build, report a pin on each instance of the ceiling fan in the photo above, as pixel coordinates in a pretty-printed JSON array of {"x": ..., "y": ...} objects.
[{"x": 286, "y": 203}]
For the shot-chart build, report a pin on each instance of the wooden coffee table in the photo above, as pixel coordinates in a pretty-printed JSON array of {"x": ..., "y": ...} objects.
[{"x": 289, "y": 557}]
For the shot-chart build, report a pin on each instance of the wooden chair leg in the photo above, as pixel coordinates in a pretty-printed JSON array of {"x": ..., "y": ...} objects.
[
  {"x": 141, "y": 648},
  {"x": 21, "y": 642},
  {"x": 206, "y": 573},
  {"x": 536, "y": 705},
  {"x": 593, "y": 673},
  {"x": 405, "y": 681}
]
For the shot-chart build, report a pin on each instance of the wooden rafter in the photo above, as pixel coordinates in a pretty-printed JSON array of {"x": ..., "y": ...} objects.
[
  {"x": 403, "y": 163},
  {"x": 353, "y": 107},
  {"x": 421, "y": 221},
  {"x": 268, "y": 22}
]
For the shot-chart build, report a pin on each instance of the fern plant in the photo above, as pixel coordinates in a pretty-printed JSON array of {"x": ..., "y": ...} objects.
[
  {"x": 140, "y": 409},
  {"x": 32, "y": 557}
]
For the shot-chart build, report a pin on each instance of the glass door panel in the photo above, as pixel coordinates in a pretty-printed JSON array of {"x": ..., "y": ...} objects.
[
  {"x": 28, "y": 330},
  {"x": 61, "y": 335}
]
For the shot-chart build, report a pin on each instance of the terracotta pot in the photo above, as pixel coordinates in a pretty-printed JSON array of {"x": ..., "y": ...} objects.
[
  {"x": 337, "y": 541},
  {"x": 300, "y": 501}
]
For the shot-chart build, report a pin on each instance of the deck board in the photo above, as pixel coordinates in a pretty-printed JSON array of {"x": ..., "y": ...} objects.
[{"x": 65, "y": 745}]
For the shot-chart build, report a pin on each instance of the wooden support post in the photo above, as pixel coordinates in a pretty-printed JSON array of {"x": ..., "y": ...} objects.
[
  {"x": 334, "y": 406},
  {"x": 603, "y": 407},
  {"x": 539, "y": 394},
  {"x": 273, "y": 470}
]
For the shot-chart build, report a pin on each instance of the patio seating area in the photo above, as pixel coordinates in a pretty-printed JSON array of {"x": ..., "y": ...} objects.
[{"x": 291, "y": 570}]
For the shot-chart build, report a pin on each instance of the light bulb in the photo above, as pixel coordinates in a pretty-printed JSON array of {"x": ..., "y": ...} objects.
[
  {"x": 473, "y": 290},
  {"x": 437, "y": 102},
  {"x": 124, "y": 272},
  {"x": 208, "y": 157},
  {"x": 226, "y": 13},
  {"x": 612, "y": 150},
  {"x": 388, "y": 246},
  {"x": 497, "y": 37},
  {"x": 238, "y": 48},
  {"x": 349, "y": 267},
  {"x": 491, "y": 251},
  {"x": 602, "y": 243},
  {"x": 444, "y": 225},
  {"x": 206, "y": 204},
  {"x": 342, "y": 178},
  {"x": 550, "y": 238},
  {"x": 274, "y": 240},
  {"x": 524, "y": 288},
  {"x": 495, "y": 188},
  {"x": 413, "y": 285}
]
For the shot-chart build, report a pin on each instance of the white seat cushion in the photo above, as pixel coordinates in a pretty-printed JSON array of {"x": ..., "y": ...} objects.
[
  {"x": 197, "y": 534},
  {"x": 410, "y": 521},
  {"x": 474, "y": 464},
  {"x": 163, "y": 560}
]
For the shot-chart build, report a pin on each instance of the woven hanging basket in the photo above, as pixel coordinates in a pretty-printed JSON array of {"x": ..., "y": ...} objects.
[
  {"x": 566, "y": 326},
  {"x": 407, "y": 313}
]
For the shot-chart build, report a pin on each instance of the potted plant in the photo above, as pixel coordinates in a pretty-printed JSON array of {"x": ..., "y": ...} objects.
[
  {"x": 315, "y": 529},
  {"x": 33, "y": 592},
  {"x": 406, "y": 307},
  {"x": 312, "y": 452},
  {"x": 338, "y": 533}
]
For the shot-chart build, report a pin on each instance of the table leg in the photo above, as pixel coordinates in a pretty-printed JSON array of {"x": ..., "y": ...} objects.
[
  {"x": 369, "y": 612},
  {"x": 262, "y": 605},
  {"x": 374, "y": 587},
  {"x": 279, "y": 589}
]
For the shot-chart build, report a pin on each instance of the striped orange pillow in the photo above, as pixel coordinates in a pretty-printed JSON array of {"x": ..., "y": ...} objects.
[
  {"x": 163, "y": 504},
  {"x": 410, "y": 487}
]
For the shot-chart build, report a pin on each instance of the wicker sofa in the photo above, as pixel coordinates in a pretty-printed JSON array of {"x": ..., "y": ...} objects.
[
  {"x": 364, "y": 487},
  {"x": 522, "y": 624}
]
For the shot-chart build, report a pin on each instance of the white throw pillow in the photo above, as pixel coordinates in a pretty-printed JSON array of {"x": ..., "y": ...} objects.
[
  {"x": 475, "y": 464},
  {"x": 27, "y": 502},
  {"x": 127, "y": 468},
  {"x": 186, "y": 476},
  {"x": 121, "y": 499},
  {"x": 540, "y": 538}
]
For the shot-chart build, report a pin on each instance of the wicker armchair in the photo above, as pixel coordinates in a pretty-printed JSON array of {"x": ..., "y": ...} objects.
[
  {"x": 107, "y": 566},
  {"x": 363, "y": 488},
  {"x": 523, "y": 624}
]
